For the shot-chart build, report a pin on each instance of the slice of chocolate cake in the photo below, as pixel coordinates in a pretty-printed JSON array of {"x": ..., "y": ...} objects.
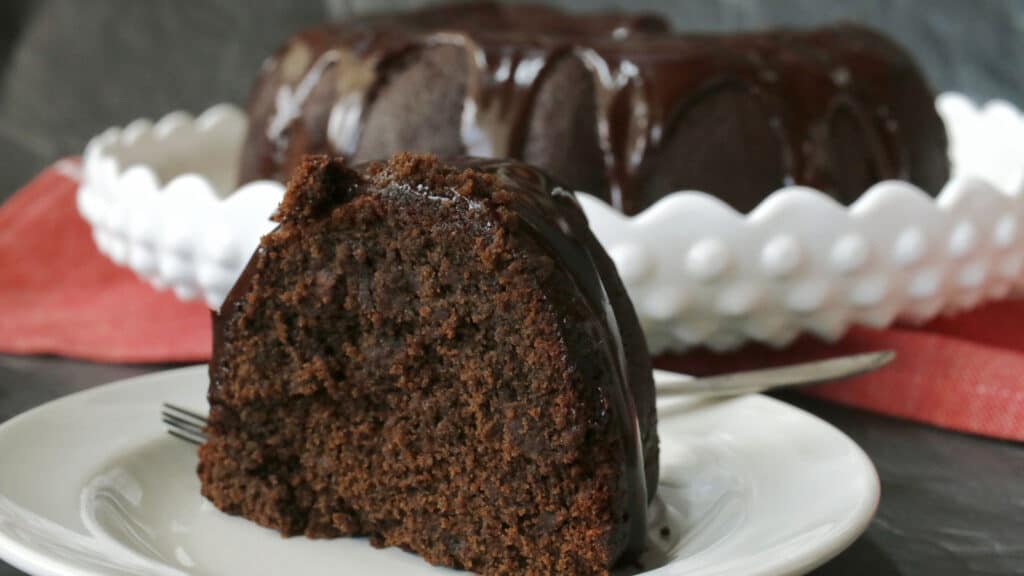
[{"x": 441, "y": 357}]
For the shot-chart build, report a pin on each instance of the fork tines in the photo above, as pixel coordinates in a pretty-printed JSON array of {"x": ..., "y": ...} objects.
[{"x": 184, "y": 424}]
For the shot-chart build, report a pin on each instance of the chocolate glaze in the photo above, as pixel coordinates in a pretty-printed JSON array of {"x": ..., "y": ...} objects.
[
  {"x": 556, "y": 222},
  {"x": 836, "y": 108}
]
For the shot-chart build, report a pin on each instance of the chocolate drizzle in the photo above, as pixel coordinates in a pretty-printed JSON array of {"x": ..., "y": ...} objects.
[
  {"x": 502, "y": 83},
  {"x": 736, "y": 115}
]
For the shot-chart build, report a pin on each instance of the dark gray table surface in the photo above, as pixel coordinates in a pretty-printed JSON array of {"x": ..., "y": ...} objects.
[{"x": 951, "y": 503}]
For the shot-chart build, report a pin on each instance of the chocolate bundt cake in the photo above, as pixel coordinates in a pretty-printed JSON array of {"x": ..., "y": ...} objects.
[
  {"x": 441, "y": 357},
  {"x": 616, "y": 105}
]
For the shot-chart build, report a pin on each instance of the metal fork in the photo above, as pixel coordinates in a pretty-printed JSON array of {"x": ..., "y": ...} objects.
[
  {"x": 789, "y": 376},
  {"x": 189, "y": 426},
  {"x": 183, "y": 423}
]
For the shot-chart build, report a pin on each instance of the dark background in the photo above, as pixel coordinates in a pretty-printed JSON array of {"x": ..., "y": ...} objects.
[{"x": 951, "y": 504}]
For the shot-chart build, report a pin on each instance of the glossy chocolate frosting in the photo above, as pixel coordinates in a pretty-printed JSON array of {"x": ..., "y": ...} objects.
[
  {"x": 613, "y": 104},
  {"x": 555, "y": 221}
]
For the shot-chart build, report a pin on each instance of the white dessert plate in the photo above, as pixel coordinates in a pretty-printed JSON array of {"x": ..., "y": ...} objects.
[{"x": 91, "y": 484}]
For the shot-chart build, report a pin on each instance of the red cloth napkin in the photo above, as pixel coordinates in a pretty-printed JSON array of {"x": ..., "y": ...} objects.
[{"x": 58, "y": 295}]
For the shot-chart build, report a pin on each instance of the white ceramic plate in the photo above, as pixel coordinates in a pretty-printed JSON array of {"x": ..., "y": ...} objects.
[{"x": 91, "y": 484}]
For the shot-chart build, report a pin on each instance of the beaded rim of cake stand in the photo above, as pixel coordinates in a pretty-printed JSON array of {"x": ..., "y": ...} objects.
[
  {"x": 699, "y": 273},
  {"x": 160, "y": 199}
]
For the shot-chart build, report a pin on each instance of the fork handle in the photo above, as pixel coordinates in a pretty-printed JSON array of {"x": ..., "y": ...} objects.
[{"x": 803, "y": 374}]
